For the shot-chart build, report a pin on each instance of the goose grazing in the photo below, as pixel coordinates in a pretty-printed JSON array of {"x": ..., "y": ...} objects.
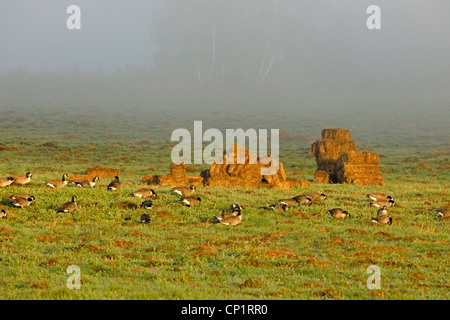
[
  {"x": 86, "y": 183},
  {"x": 232, "y": 211},
  {"x": 22, "y": 180},
  {"x": 69, "y": 207},
  {"x": 232, "y": 220},
  {"x": 20, "y": 195},
  {"x": 377, "y": 196},
  {"x": 58, "y": 183},
  {"x": 147, "y": 205},
  {"x": 22, "y": 202},
  {"x": 191, "y": 201},
  {"x": 316, "y": 195},
  {"x": 280, "y": 205},
  {"x": 288, "y": 202},
  {"x": 6, "y": 182},
  {"x": 145, "y": 193},
  {"x": 3, "y": 214},
  {"x": 383, "y": 219},
  {"x": 338, "y": 213},
  {"x": 303, "y": 199},
  {"x": 381, "y": 203},
  {"x": 184, "y": 191},
  {"x": 115, "y": 184},
  {"x": 145, "y": 218}
]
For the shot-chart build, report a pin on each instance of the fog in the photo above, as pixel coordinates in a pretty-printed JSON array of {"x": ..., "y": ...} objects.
[{"x": 319, "y": 52}]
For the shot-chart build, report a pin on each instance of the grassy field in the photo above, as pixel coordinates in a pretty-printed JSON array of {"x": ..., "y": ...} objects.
[{"x": 299, "y": 254}]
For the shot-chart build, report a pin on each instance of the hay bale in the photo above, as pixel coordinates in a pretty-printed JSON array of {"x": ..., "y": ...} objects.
[
  {"x": 294, "y": 182},
  {"x": 73, "y": 177},
  {"x": 361, "y": 168},
  {"x": 165, "y": 180},
  {"x": 150, "y": 179},
  {"x": 336, "y": 134},
  {"x": 321, "y": 177},
  {"x": 102, "y": 172},
  {"x": 195, "y": 181},
  {"x": 178, "y": 173}
]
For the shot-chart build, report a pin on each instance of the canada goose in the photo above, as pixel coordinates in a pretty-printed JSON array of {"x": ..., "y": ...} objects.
[
  {"x": 21, "y": 195},
  {"x": 232, "y": 211},
  {"x": 382, "y": 219},
  {"x": 22, "y": 180},
  {"x": 3, "y": 213},
  {"x": 147, "y": 205},
  {"x": 5, "y": 182},
  {"x": 145, "y": 218},
  {"x": 382, "y": 211},
  {"x": 184, "y": 191},
  {"x": 22, "y": 202},
  {"x": 86, "y": 183},
  {"x": 145, "y": 193},
  {"x": 377, "y": 196},
  {"x": 232, "y": 220},
  {"x": 303, "y": 199},
  {"x": 115, "y": 184},
  {"x": 69, "y": 206},
  {"x": 280, "y": 205},
  {"x": 58, "y": 183},
  {"x": 381, "y": 203},
  {"x": 338, "y": 213},
  {"x": 191, "y": 201},
  {"x": 288, "y": 202},
  {"x": 316, "y": 195}
]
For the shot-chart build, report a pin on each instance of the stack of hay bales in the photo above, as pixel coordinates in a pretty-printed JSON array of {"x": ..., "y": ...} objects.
[
  {"x": 327, "y": 151},
  {"x": 361, "y": 168},
  {"x": 243, "y": 173},
  {"x": 339, "y": 162},
  {"x": 177, "y": 177},
  {"x": 248, "y": 174}
]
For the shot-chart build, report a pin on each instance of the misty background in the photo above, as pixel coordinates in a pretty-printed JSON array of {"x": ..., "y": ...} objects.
[{"x": 297, "y": 65}]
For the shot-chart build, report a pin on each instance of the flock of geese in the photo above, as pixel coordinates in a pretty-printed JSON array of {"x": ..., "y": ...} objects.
[{"x": 231, "y": 216}]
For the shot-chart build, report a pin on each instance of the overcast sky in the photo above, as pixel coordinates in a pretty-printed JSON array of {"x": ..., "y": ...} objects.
[{"x": 33, "y": 35}]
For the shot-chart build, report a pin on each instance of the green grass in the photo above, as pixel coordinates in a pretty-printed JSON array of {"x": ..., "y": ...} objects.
[{"x": 299, "y": 254}]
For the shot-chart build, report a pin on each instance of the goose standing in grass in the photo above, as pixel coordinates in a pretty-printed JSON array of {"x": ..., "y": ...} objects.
[
  {"x": 280, "y": 205},
  {"x": 58, "y": 183},
  {"x": 6, "y": 182},
  {"x": 184, "y": 191},
  {"x": 381, "y": 203},
  {"x": 145, "y": 193},
  {"x": 383, "y": 219},
  {"x": 69, "y": 207},
  {"x": 3, "y": 214},
  {"x": 147, "y": 205},
  {"x": 145, "y": 218},
  {"x": 338, "y": 213},
  {"x": 19, "y": 202},
  {"x": 86, "y": 183},
  {"x": 191, "y": 201},
  {"x": 115, "y": 184},
  {"x": 22, "y": 180}
]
